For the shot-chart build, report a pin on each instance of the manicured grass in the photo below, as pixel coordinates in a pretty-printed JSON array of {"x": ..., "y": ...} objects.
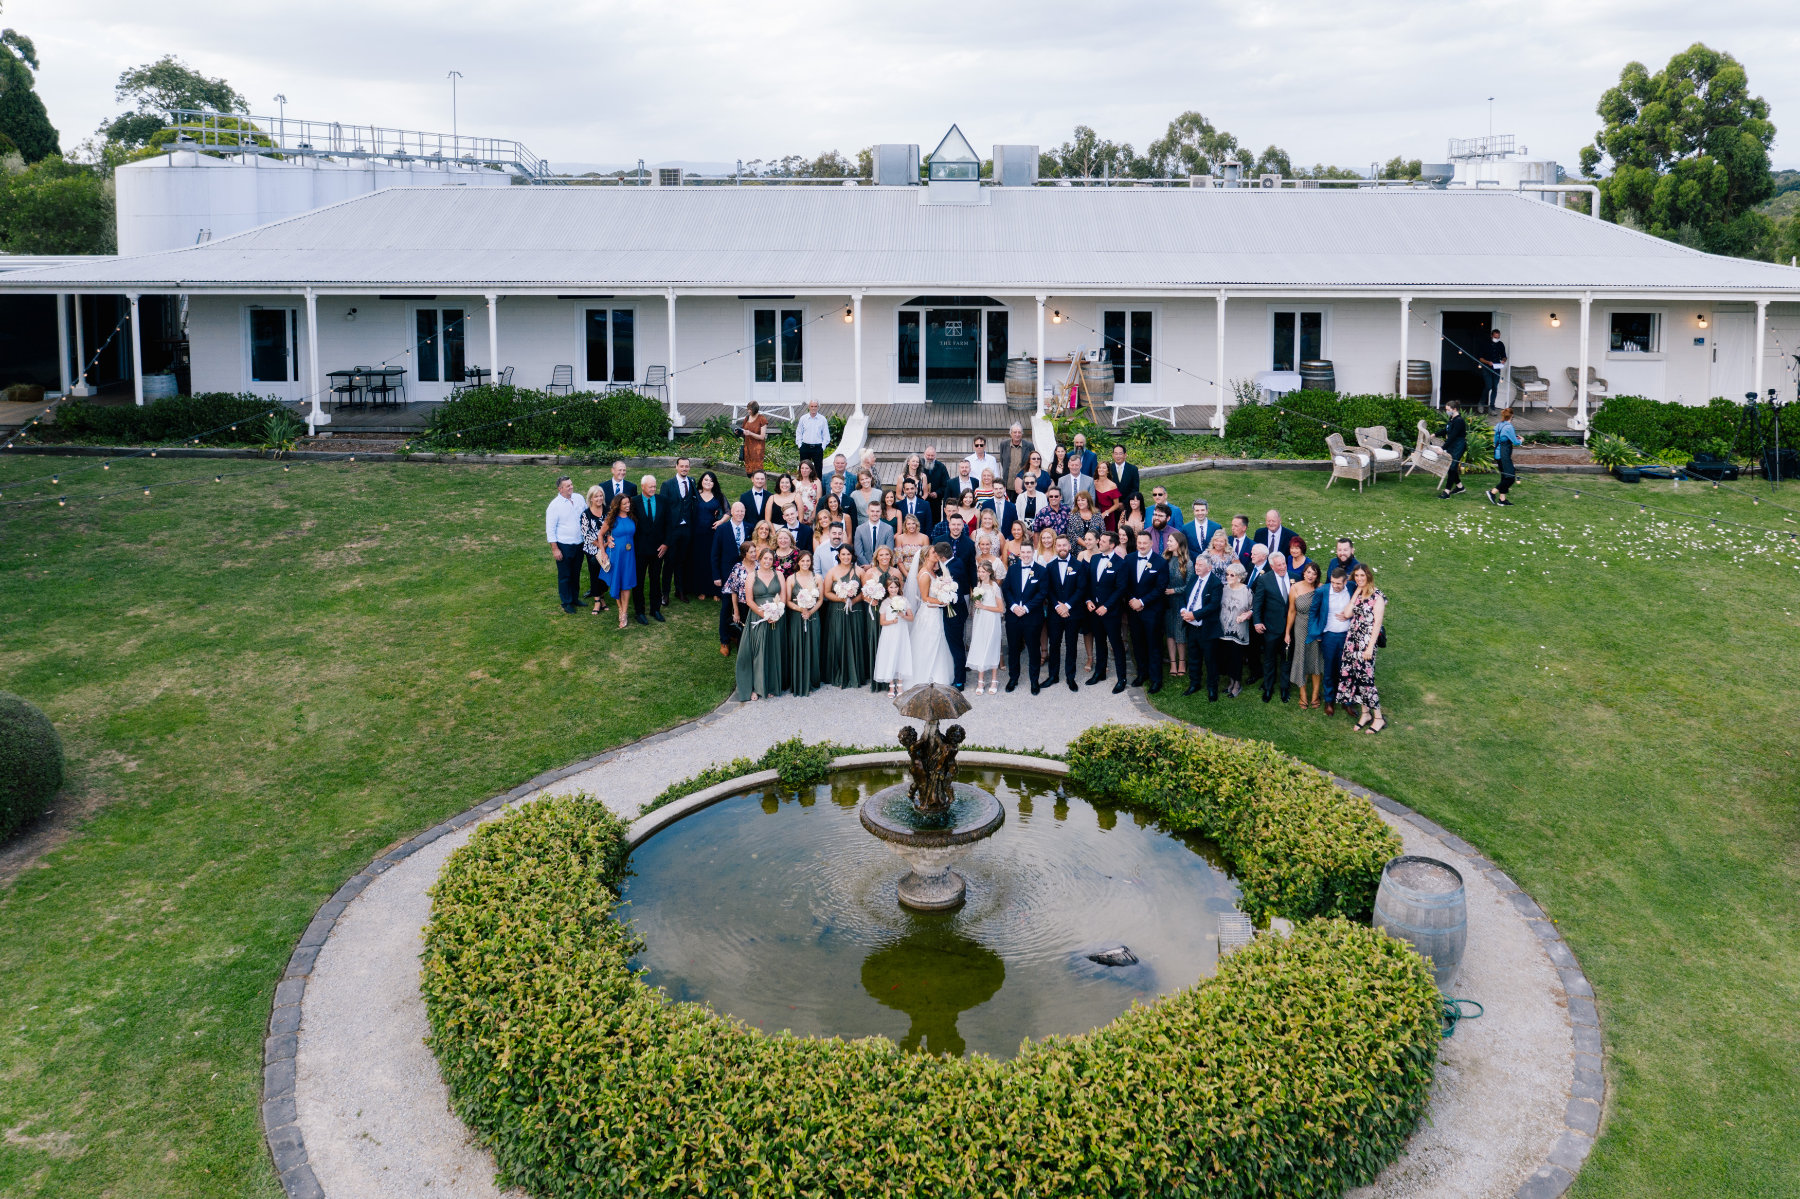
[
  {"x": 1603, "y": 701},
  {"x": 275, "y": 677},
  {"x": 271, "y": 679}
]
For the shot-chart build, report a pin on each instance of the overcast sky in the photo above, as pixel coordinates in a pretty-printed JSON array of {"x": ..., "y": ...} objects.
[{"x": 1347, "y": 82}]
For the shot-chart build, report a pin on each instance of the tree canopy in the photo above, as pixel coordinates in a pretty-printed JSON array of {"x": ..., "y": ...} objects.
[
  {"x": 157, "y": 87},
  {"x": 55, "y": 207},
  {"x": 1690, "y": 153},
  {"x": 23, "y": 120}
]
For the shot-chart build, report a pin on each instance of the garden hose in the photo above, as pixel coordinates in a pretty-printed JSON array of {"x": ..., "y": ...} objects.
[{"x": 1453, "y": 1013}]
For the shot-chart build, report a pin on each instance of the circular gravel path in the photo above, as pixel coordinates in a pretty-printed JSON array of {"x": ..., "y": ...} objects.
[{"x": 354, "y": 1108}]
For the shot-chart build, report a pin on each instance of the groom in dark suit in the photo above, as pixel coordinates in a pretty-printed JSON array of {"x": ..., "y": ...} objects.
[
  {"x": 1106, "y": 600},
  {"x": 1023, "y": 594},
  {"x": 1147, "y": 577},
  {"x": 958, "y": 556},
  {"x": 1066, "y": 593}
]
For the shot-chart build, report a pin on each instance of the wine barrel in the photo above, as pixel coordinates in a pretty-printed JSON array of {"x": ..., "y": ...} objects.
[
  {"x": 1421, "y": 901},
  {"x": 1316, "y": 374},
  {"x": 1021, "y": 385},
  {"x": 1418, "y": 379},
  {"x": 1097, "y": 383}
]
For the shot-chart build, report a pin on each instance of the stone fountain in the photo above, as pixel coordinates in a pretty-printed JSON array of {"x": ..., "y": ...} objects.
[{"x": 932, "y": 820}]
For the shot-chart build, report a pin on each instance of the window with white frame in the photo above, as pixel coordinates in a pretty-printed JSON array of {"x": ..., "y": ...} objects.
[
  {"x": 274, "y": 342},
  {"x": 1129, "y": 340},
  {"x": 439, "y": 337},
  {"x": 1635, "y": 333},
  {"x": 610, "y": 337},
  {"x": 779, "y": 334},
  {"x": 1295, "y": 336}
]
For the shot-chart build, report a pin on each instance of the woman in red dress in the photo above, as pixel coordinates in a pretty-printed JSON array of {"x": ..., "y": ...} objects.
[{"x": 756, "y": 438}]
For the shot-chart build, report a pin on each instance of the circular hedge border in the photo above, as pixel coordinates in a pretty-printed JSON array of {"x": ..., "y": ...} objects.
[{"x": 1299, "y": 1069}]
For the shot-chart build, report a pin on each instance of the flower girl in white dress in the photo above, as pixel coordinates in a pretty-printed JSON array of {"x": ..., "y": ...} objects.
[
  {"x": 984, "y": 634},
  {"x": 893, "y": 653}
]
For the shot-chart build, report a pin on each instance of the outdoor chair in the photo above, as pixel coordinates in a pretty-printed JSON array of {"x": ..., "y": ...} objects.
[
  {"x": 346, "y": 391},
  {"x": 1428, "y": 456},
  {"x": 506, "y": 377},
  {"x": 1529, "y": 387},
  {"x": 562, "y": 380},
  {"x": 656, "y": 382},
  {"x": 1387, "y": 454},
  {"x": 1348, "y": 463},
  {"x": 1597, "y": 387}
]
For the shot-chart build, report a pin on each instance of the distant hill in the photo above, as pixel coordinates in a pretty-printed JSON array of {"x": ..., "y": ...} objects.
[{"x": 1786, "y": 201}]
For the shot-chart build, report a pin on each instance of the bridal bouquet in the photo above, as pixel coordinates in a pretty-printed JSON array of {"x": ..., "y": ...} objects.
[
  {"x": 894, "y": 606},
  {"x": 943, "y": 589}
]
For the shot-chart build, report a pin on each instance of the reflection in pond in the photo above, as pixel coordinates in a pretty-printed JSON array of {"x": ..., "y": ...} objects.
[{"x": 933, "y": 974}]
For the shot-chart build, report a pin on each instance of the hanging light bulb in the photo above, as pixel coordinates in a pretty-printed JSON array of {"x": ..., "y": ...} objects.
[
  {"x": 55, "y": 478},
  {"x": 62, "y": 501},
  {"x": 218, "y": 478},
  {"x": 1555, "y": 321},
  {"x": 849, "y": 314},
  {"x": 1056, "y": 316}
]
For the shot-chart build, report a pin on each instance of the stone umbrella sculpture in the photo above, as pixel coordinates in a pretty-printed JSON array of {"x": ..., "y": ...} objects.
[{"x": 932, "y": 820}]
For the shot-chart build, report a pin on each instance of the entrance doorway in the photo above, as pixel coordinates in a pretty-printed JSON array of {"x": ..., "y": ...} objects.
[
  {"x": 1465, "y": 340},
  {"x": 952, "y": 355}
]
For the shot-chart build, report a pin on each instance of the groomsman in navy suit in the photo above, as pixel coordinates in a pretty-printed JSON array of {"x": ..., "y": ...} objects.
[
  {"x": 912, "y": 504},
  {"x": 1106, "y": 600},
  {"x": 1240, "y": 542},
  {"x": 1200, "y": 530},
  {"x": 1274, "y": 535},
  {"x": 1023, "y": 594},
  {"x": 1148, "y": 578},
  {"x": 1066, "y": 593}
]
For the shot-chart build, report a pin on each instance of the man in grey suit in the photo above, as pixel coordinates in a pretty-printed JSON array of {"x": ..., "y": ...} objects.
[
  {"x": 870, "y": 536},
  {"x": 1077, "y": 480}
]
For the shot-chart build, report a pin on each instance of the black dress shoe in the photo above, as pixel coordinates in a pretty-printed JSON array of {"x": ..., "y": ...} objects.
[
  {"x": 1073, "y": 686},
  {"x": 1053, "y": 680},
  {"x": 1267, "y": 696},
  {"x": 1190, "y": 689},
  {"x": 642, "y": 621},
  {"x": 1012, "y": 684},
  {"x": 1153, "y": 688},
  {"x": 569, "y": 608},
  {"x": 1137, "y": 682},
  {"x": 1096, "y": 677},
  {"x": 1284, "y": 697},
  {"x": 1118, "y": 686},
  {"x": 1212, "y": 697},
  {"x": 1034, "y": 687},
  {"x": 658, "y": 614}
]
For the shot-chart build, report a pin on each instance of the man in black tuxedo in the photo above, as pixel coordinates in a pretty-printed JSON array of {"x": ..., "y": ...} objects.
[
  {"x": 1065, "y": 597},
  {"x": 727, "y": 550},
  {"x": 1123, "y": 472},
  {"x": 1200, "y": 618},
  {"x": 618, "y": 485},
  {"x": 1023, "y": 595},
  {"x": 957, "y": 553},
  {"x": 651, "y": 544},
  {"x": 1268, "y": 622},
  {"x": 1273, "y": 535},
  {"x": 756, "y": 499},
  {"x": 1148, "y": 576},
  {"x": 681, "y": 508},
  {"x": 1106, "y": 600},
  {"x": 913, "y": 504},
  {"x": 937, "y": 477}
]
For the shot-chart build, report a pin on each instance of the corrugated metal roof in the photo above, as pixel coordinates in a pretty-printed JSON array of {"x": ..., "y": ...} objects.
[{"x": 1020, "y": 239}]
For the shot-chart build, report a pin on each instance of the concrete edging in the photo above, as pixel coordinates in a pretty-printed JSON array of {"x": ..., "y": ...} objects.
[{"x": 287, "y": 1146}]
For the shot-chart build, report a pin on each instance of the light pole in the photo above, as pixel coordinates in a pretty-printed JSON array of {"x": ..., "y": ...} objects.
[
  {"x": 453, "y": 76},
  {"x": 282, "y": 100}
]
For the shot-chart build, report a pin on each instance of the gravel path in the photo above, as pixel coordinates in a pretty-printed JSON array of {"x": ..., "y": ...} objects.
[{"x": 375, "y": 1115}]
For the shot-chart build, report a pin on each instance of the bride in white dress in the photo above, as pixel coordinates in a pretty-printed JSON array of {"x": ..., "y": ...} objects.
[{"x": 931, "y": 659}]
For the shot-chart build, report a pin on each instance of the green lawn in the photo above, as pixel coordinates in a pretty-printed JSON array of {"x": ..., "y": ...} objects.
[
  {"x": 1603, "y": 701},
  {"x": 273, "y": 678}
]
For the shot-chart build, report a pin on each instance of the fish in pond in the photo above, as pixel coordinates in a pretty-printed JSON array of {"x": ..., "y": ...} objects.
[{"x": 1118, "y": 955}]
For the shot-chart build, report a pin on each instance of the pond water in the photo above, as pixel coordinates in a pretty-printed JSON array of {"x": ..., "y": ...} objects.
[{"x": 781, "y": 911}]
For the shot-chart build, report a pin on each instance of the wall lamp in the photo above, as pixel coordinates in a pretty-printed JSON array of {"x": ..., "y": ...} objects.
[
  {"x": 351, "y": 316},
  {"x": 1701, "y": 320},
  {"x": 1555, "y": 321}
]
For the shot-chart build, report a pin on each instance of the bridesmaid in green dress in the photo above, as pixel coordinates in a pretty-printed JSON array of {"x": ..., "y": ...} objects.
[
  {"x": 838, "y": 663},
  {"x": 804, "y": 621},
  {"x": 759, "y": 661}
]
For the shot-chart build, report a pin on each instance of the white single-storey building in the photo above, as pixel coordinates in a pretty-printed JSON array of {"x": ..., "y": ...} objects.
[{"x": 921, "y": 294}]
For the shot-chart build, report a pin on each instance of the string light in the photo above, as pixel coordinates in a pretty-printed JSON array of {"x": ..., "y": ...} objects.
[{"x": 62, "y": 501}]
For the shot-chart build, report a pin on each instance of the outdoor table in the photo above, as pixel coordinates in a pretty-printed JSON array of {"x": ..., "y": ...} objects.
[
  {"x": 349, "y": 381},
  {"x": 476, "y": 376},
  {"x": 1275, "y": 383}
]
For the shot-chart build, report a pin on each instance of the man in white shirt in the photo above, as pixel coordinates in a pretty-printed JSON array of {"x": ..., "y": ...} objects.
[
  {"x": 1337, "y": 627},
  {"x": 562, "y": 529},
  {"x": 981, "y": 460},
  {"x": 811, "y": 433}
]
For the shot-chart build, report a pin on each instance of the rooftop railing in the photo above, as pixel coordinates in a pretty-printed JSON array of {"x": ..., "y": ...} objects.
[{"x": 293, "y": 137}]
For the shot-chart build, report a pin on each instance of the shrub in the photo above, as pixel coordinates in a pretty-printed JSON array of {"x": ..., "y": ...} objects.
[
  {"x": 518, "y": 418},
  {"x": 1686, "y": 428},
  {"x": 210, "y": 416},
  {"x": 1299, "y": 1070},
  {"x": 1611, "y": 451},
  {"x": 31, "y": 763},
  {"x": 799, "y": 765},
  {"x": 1299, "y": 845},
  {"x": 1296, "y": 425}
]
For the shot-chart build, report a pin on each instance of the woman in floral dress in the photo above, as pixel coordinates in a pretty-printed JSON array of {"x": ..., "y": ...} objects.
[{"x": 1356, "y": 675}]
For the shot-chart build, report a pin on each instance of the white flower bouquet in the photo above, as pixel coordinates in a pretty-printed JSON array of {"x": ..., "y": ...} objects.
[
  {"x": 894, "y": 605},
  {"x": 773, "y": 610},
  {"x": 985, "y": 593},
  {"x": 846, "y": 588},
  {"x": 807, "y": 597},
  {"x": 943, "y": 589}
]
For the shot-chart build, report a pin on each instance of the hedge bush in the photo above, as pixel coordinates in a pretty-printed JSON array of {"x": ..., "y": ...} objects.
[
  {"x": 1654, "y": 427},
  {"x": 621, "y": 420},
  {"x": 173, "y": 418},
  {"x": 31, "y": 763},
  {"x": 1297, "y": 424},
  {"x": 1299, "y": 845},
  {"x": 1299, "y": 1070},
  {"x": 797, "y": 763}
]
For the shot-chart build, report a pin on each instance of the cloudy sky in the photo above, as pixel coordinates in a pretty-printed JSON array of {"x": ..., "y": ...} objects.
[{"x": 1347, "y": 82}]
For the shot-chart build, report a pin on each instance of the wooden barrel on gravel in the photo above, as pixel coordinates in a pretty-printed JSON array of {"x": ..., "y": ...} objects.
[
  {"x": 1317, "y": 374},
  {"x": 1421, "y": 901},
  {"x": 1021, "y": 385},
  {"x": 1418, "y": 379}
]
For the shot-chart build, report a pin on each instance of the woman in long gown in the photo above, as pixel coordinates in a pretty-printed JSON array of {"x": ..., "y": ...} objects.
[
  {"x": 931, "y": 649},
  {"x": 1107, "y": 499},
  {"x": 712, "y": 513},
  {"x": 756, "y": 438},
  {"x": 837, "y": 664},
  {"x": 1356, "y": 677},
  {"x": 759, "y": 659},
  {"x": 984, "y": 633},
  {"x": 806, "y": 612},
  {"x": 1181, "y": 580},
  {"x": 787, "y": 561},
  {"x": 1308, "y": 668},
  {"x": 618, "y": 553}
]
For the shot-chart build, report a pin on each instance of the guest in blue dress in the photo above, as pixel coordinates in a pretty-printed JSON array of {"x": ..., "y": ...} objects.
[{"x": 618, "y": 557}]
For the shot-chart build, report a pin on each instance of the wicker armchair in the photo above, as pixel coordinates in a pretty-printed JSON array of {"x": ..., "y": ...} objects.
[
  {"x": 1349, "y": 463},
  {"x": 1388, "y": 454},
  {"x": 1428, "y": 456},
  {"x": 1529, "y": 387},
  {"x": 1597, "y": 387}
]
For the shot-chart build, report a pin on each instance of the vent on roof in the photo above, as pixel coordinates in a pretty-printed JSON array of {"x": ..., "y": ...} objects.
[
  {"x": 897, "y": 165},
  {"x": 668, "y": 176}
]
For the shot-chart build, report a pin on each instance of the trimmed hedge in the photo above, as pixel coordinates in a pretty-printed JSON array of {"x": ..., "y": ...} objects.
[
  {"x": 541, "y": 421},
  {"x": 1299, "y": 1070},
  {"x": 1300, "y": 845},
  {"x": 173, "y": 418},
  {"x": 1654, "y": 427},
  {"x": 798, "y": 764},
  {"x": 1294, "y": 427},
  {"x": 31, "y": 763}
]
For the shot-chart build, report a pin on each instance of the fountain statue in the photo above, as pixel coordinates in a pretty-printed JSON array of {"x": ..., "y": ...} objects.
[{"x": 933, "y": 820}]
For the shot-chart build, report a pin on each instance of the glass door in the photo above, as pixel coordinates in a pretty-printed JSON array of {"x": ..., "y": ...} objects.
[
  {"x": 952, "y": 355},
  {"x": 439, "y": 338},
  {"x": 778, "y": 356},
  {"x": 1129, "y": 337},
  {"x": 274, "y": 342}
]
